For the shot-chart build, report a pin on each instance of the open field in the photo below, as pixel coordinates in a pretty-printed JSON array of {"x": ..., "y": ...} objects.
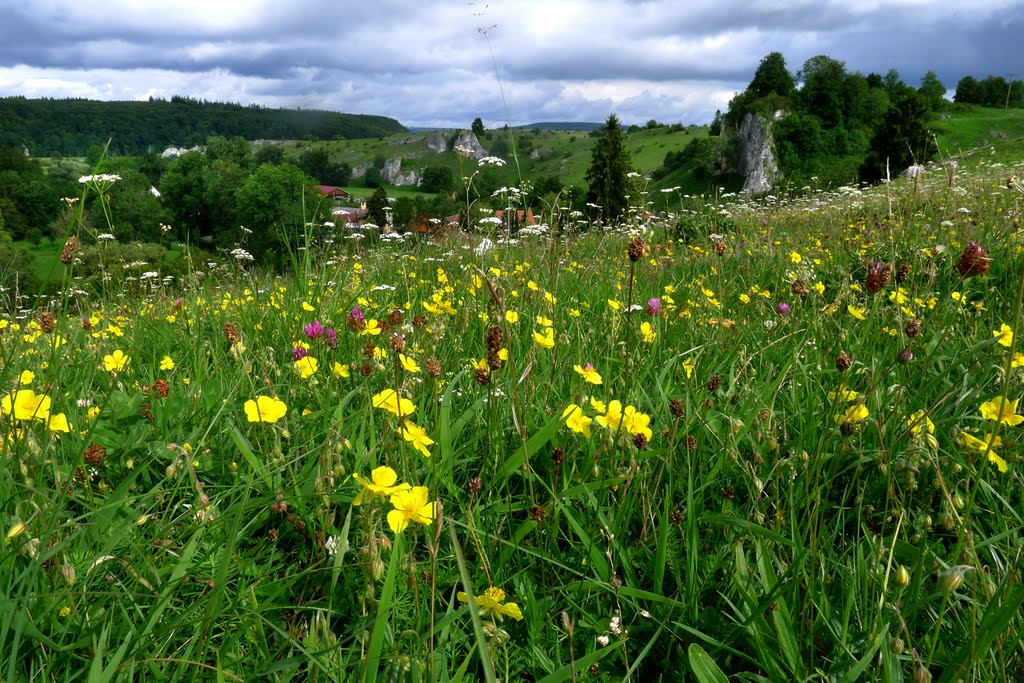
[{"x": 770, "y": 441}]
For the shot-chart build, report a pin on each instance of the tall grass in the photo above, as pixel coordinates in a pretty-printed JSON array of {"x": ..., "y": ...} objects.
[{"x": 791, "y": 516}]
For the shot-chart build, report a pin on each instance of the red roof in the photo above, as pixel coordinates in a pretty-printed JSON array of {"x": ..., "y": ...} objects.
[
  {"x": 521, "y": 216},
  {"x": 332, "y": 192}
]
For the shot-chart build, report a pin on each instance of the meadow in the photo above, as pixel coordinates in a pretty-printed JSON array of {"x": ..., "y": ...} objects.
[{"x": 774, "y": 440}]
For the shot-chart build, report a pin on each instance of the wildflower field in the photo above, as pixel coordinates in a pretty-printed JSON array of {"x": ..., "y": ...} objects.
[{"x": 765, "y": 441}]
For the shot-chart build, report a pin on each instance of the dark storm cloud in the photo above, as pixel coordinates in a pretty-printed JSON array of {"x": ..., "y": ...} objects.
[{"x": 426, "y": 63}]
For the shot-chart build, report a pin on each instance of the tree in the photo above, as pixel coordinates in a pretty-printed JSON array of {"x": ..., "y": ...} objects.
[
  {"x": 269, "y": 153},
  {"x": 968, "y": 91},
  {"x": 377, "y": 207},
  {"x": 270, "y": 205},
  {"x": 932, "y": 91},
  {"x": 607, "y": 184},
  {"x": 900, "y": 141},
  {"x": 478, "y": 127},
  {"x": 437, "y": 179},
  {"x": 772, "y": 77},
  {"x": 822, "y": 92}
]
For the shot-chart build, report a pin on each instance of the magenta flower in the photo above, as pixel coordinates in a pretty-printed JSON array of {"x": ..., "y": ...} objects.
[
  {"x": 331, "y": 337},
  {"x": 298, "y": 353},
  {"x": 654, "y": 307},
  {"x": 356, "y": 320},
  {"x": 314, "y": 330},
  {"x": 782, "y": 308}
]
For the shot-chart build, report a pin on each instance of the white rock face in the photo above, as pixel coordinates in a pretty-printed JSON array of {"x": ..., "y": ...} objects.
[
  {"x": 438, "y": 142},
  {"x": 467, "y": 140},
  {"x": 754, "y": 158},
  {"x": 392, "y": 173}
]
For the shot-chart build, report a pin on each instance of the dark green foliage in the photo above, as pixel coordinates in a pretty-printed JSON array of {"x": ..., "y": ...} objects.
[
  {"x": 932, "y": 92},
  {"x": 968, "y": 91},
  {"x": 994, "y": 91},
  {"x": 274, "y": 203},
  {"x": 318, "y": 165},
  {"x": 606, "y": 179},
  {"x": 373, "y": 178},
  {"x": 822, "y": 92},
  {"x": 437, "y": 179},
  {"x": 73, "y": 126},
  {"x": 377, "y": 207},
  {"x": 478, "y": 127},
  {"x": 269, "y": 154},
  {"x": 900, "y": 141},
  {"x": 772, "y": 77}
]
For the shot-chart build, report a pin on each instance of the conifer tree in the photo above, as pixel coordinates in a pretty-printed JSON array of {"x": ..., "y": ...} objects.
[{"x": 607, "y": 181}]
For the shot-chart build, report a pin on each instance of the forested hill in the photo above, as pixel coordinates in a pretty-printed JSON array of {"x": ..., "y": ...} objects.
[{"x": 70, "y": 126}]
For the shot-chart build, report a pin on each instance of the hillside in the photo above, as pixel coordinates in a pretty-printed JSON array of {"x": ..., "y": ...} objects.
[{"x": 69, "y": 127}]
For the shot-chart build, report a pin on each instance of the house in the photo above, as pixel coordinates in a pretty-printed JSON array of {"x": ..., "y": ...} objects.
[
  {"x": 349, "y": 216},
  {"x": 332, "y": 192},
  {"x": 522, "y": 217}
]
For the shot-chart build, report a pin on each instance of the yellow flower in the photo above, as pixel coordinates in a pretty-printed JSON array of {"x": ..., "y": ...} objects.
[
  {"x": 989, "y": 444},
  {"x": 408, "y": 363},
  {"x": 307, "y": 307},
  {"x": 339, "y": 370},
  {"x": 511, "y": 317},
  {"x": 268, "y": 409},
  {"x": 920, "y": 423},
  {"x": 25, "y": 404},
  {"x": 390, "y": 401},
  {"x": 689, "y": 366},
  {"x": 819, "y": 288},
  {"x": 576, "y": 420},
  {"x": 612, "y": 417},
  {"x": 545, "y": 340},
  {"x": 59, "y": 423},
  {"x": 305, "y": 367},
  {"x": 116, "y": 361},
  {"x": 597, "y": 405},
  {"x": 167, "y": 363},
  {"x": 93, "y": 412},
  {"x": 492, "y": 604},
  {"x": 636, "y": 423},
  {"x": 647, "y": 332},
  {"x": 795, "y": 257},
  {"x": 417, "y": 436},
  {"x": 544, "y": 321},
  {"x": 744, "y": 298},
  {"x": 1017, "y": 361},
  {"x": 382, "y": 483},
  {"x": 588, "y": 373},
  {"x": 413, "y": 505},
  {"x": 372, "y": 328},
  {"x": 1005, "y": 335},
  {"x": 26, "y": 377},
  {"x": 843, "y": 394},
  {"x": 853, "y": 414},
  {"x": 857, "y": 313},
  {"x": 1001, "y": 410}
]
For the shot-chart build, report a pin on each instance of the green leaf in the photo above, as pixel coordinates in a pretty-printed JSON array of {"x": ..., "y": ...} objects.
[{"x": 704, "y": 668}]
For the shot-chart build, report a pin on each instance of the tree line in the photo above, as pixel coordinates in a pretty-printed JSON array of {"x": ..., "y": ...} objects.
[{"x": 69, "y": 127}]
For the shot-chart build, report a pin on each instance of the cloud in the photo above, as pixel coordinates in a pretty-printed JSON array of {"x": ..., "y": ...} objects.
[{"x": 430, "y": 63}]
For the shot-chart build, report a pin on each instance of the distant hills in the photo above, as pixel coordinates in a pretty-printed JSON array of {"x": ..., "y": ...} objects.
[
  {"x": 70, "y": 127},
  {"x": 585, "y": 126}
]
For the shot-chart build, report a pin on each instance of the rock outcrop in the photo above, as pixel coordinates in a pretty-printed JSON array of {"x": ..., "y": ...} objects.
[
  {"x": 467, "y": 140},
  {"x": 438, "y": 142},
  {"x": 755, "y": 160}
]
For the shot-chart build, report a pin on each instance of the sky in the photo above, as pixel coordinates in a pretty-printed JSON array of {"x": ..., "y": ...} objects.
[{"x": 444, "y": 62}]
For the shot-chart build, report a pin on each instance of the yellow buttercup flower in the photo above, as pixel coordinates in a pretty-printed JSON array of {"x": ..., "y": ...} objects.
[
  {"x": 853, "y": 414},
  {"x": 612, "y": 417},
  {"x": 857, "y": 313},
  {"x": 920, "y": 423},
  {"x": 115, "y": 362},
  {"x": 545, "y": 340},
  {"x": 492, "y": 604},
  {"x": 413, "y": 505},
  {"x": 511, "y": 317},
  {"x": 59, "y": 423},
  {"x": 26, "y": 404},
  {"x": 647, "y": 332},
  {"x": 1004, "y": 335},
  {"x": 26, "y": 377},
  {"x": 382, "y": 483},
  {"x": 340, "y": 370},
  {"x": 408, "y": 363},
  {"x": 391, "y": 402},
  {"x": 305, "y": 367},
  {"x": 688, "y": 366},
  {"x": 576, "y": 420},
  {"x": 1001, "y": 410},
  {"x": 417, "y": 436},
  {"x": 986, "y": 445},
  {"x": 588, "y": 373},
  {"x": 267, "y": 409},
  {"x": 167, "y": 363}
]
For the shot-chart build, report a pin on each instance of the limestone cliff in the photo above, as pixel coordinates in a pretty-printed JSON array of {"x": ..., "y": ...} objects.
[{"x": 755, "y": 160}]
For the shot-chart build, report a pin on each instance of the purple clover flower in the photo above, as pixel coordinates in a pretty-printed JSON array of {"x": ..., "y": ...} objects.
[
  {"x": 314, "y": 330},
  {"x": 654, "y": 307},
  {"x": 782, "y": 308},
  {"x": 298, "y": 353}
]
